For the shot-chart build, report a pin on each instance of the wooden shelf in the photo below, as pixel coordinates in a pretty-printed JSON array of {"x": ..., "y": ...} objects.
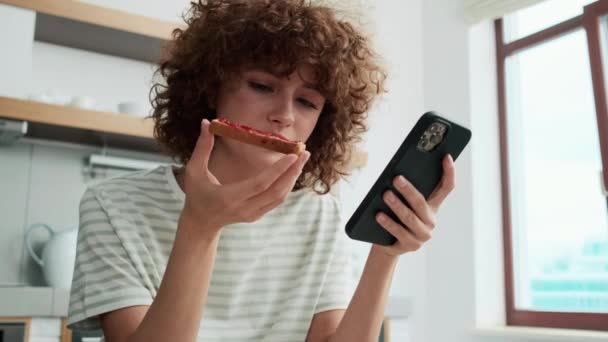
[
  {"x": 99, "y": 29},
  {"x": 38, "y": 112},
  {"x": 97, "y": 15},
  {"x": 66, "y": 334},
  {"x": 70, "y": 124}
]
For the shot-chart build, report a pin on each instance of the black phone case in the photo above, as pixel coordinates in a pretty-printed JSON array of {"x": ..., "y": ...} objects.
[{"x": 422, "y": 169}]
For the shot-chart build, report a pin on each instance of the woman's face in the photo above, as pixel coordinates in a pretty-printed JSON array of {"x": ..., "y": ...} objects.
[{"x": 287, "y": 106}]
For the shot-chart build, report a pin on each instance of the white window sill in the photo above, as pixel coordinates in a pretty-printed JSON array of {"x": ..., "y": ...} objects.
[{"x": 544, "y": 334}]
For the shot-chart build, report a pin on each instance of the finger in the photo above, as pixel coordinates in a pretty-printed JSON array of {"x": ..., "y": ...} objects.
[
  {"x": 259, "y": 205},
  {"x": 405, "y": 239},
  {"x": 203, "y": 147},
  {"x": 407, "y": 217},
  {"x": 280, "y": 189},
  {"x": 255, "y": 185},
  {"x": 447, "y": 184},
  {"x": 415, "y": 199},
  {"x": 260, "y": 212}
]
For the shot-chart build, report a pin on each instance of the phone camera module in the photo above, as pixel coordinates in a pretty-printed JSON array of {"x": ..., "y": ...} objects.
[{"x": 432, "y": 136}]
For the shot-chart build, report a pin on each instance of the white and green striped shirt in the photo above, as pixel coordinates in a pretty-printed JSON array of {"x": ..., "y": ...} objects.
[{"x": 269, "y": 279}]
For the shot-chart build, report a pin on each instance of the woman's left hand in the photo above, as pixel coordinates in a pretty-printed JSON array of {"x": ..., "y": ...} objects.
[{"x": 416, "y": 224}]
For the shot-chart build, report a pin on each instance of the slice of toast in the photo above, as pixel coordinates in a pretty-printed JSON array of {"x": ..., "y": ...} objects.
[{"x": 252, "y": 136}]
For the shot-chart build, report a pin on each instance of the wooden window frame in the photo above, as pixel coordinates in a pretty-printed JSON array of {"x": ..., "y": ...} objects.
[{"x": 590, "y": 21}]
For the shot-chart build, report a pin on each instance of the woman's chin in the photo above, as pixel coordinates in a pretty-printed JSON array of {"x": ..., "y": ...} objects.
[
  {"x": 251, "y": 155},
  {"x": 257, "y": 156},
  {"x": 267, "y": 157}
]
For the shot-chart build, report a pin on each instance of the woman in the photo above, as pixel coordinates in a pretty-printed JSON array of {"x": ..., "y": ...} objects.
[{"x": 244, "y": 244}]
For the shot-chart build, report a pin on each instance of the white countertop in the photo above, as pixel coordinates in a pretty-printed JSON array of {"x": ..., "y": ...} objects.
[
  {"x": 53, "y": 302},
  {"x": 34, "y": 301}
]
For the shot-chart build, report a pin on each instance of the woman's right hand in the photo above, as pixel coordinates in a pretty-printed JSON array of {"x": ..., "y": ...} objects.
[{"x": 214, "y": 205}]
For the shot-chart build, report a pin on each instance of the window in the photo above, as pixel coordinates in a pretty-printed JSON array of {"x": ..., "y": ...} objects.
[
  {"x": 554, "y": 139},
  {"x": 541, "y": 16}
]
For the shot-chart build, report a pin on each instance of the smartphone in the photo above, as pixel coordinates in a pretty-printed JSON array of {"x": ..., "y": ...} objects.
[{"x": 419, "y": 160}]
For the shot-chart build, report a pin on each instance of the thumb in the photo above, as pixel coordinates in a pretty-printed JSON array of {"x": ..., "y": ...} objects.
[{"x": 204, "y": 146}]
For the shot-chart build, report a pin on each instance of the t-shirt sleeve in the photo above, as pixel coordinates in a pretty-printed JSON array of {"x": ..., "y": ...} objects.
[
  {"x": 105, "y": 278},
  {"x": 338, "y": 285}
]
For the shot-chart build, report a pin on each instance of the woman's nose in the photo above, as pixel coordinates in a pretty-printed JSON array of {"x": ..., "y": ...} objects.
[{"x": 283, "y": 113}]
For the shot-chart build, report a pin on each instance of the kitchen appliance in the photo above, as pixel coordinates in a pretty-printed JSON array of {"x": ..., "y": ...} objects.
[
  {"x": 121, "y": 163},
  {"x": 11, "y": 130},
  {"x": 12, "y": 332},
  {"x": 58, "y": 254}
]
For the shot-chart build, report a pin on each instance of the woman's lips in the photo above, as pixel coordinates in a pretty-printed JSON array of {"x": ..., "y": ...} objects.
[{"x": 255, "y": 130}]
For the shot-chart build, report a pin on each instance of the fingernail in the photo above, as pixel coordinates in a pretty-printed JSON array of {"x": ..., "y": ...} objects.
[
  {"x": 304, "y": 161},
  {"x": 381, "y": 218},
  {"x": 401, "y": 181},
  {"x": 390, "y": 197},
  {"x": 303, "y": 157},
  {"x": 291, "y": 158}
]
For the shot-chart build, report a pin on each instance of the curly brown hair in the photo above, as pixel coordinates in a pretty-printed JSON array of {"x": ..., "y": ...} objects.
[{"x": 224, "y": 36}]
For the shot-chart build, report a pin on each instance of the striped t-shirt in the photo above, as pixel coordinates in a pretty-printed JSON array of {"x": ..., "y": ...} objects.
[{"x": 269, "y": 278}]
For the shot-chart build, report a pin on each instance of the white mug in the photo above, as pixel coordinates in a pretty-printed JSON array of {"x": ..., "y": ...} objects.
[
  {"x": 85, "y": 102},
  {"x": 133, "y": 108}
]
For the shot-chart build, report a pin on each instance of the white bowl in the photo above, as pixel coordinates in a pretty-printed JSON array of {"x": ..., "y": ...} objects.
[
  {"x": 85, "y": 102},
  {"x": 133, "y": 108}
]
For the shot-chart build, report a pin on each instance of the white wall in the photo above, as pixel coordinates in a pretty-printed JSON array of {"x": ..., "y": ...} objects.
[
  {"x": 66, "y": 72},
  {"x": 398, "y": 33},
  {"x": 449, "y": 281},
  {"x": 487, "y": 192},
  {"x": 17, "y": 33}
]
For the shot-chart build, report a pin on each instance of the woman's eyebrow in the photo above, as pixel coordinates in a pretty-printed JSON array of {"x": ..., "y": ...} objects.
[
  {"x": 307, "y": 85},
  {"x": 314, "y": 88},
  {"x": 266, "y": 71}
]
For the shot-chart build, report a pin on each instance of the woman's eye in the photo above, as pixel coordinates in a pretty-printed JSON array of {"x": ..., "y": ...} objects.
[
  {"x": 307, "y": 103},
  {"x": 260, "y": 87}
]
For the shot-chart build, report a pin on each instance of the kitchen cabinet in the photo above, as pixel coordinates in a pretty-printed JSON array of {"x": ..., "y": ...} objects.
[
  {"x": 96, "y": 28},
  {"x": 15, "y": 329},
  {"x": 99, "y": 29},
  {"x": 26, "y": 329},
  {"x": 63, "y": 123}
]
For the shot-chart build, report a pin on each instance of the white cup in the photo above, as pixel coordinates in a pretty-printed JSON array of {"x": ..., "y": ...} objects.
[
  {"x": 58, "y": 98},
  {"x": 45, "y": 98},
  {"x": 85, "y": 102},
  {"x": 133, "y": 108}
]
